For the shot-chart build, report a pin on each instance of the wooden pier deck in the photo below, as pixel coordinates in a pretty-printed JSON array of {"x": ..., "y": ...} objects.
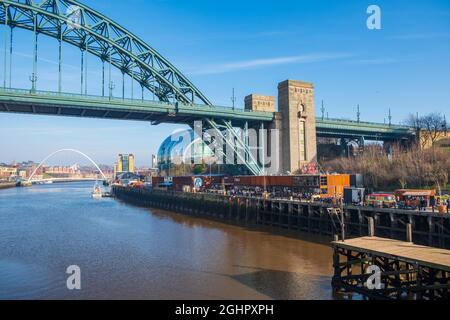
[
  {"x": 404, "y": 270},
  {"x": 405, "y": 251}
]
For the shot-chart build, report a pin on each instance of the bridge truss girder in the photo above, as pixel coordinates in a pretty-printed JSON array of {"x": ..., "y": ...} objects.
[
  {"x": 95, "y": 33},
  {"x": 238, "y": 142}
]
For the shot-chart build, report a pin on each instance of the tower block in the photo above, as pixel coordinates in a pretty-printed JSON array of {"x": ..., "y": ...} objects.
[
  {"x": 298, "y": 132},
  {"x": 256, "y": 102}
]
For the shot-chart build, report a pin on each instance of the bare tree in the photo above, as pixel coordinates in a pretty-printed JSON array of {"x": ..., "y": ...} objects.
[
  {"x": 415, "y": 167},
  {"x": 431, "y": 127}
]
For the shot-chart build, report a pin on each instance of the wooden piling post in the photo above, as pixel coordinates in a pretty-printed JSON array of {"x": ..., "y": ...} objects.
[
  {"x": 371, "y": 226},
  {"x": 337, "y": 279},
  {"x": 289, "y": 218},
  {"x": 409, "y": 234},
  {"x": 360, "y": 222},
  {"x": 430, "y": 230},
  {"x": 309, "y": 217}
]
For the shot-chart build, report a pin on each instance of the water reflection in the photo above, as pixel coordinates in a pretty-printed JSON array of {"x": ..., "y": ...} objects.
[{"x": 133, "y": 253}]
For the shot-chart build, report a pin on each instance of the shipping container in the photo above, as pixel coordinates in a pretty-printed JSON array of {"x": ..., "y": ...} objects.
[
  {"x": 325, "y": 186},
  {"x": 328, "y": 186},
  {"x": 197, "y": 183},
  {"x": 157, "y": 181}
]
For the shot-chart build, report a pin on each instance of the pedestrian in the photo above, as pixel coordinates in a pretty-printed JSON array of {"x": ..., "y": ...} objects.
[
  {"x": 432, "y": 203},
  {"x": 448, "y": 205}
]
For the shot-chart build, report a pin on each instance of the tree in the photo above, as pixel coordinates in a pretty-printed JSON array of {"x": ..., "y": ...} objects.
[
  {"x": 199, "y": 169},
  {"x": 412, "y": 168},
  {"x": 431, "y": 127}
]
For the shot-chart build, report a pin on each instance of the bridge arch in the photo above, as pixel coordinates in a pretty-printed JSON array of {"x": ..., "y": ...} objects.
[
  {"x": 75, "y": 23},
  {"x": 66, "y": 150}
]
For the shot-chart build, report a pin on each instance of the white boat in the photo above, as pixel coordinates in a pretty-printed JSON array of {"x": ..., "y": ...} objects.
[{"x": 97, "y": 192}]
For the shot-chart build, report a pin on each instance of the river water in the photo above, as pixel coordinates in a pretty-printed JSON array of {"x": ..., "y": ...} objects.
[{"x": 125, "y": 252}]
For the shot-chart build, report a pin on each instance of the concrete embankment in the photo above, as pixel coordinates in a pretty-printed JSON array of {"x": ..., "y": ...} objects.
[
  {"x": 313, "y": 218},
  {"x": 7, "y": 185}
]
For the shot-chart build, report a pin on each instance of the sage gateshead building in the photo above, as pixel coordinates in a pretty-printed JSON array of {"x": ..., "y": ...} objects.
[
  {"x": 183, "y": 149},
  {"x": 184, "y": 153}
]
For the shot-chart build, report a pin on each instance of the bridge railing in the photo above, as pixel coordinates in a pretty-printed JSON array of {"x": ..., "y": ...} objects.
[
  {"x": 138, "y": 102},
  {"x": 78, "y": 96},
  {"x": 360, "y": 123}
]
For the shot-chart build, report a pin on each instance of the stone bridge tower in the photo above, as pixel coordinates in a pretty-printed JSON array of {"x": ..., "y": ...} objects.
[
  {"x": 295, "y": 122},
  {"x": 298, "y": 124}
]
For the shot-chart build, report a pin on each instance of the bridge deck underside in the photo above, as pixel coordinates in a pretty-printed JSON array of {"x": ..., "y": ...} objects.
[
  {"x": 361, "y": 133},
  {"x": 348, "y": 129},
  {"x": 120, "y": 109},
  {"x": 87, "y": 112},
  {"x": 22, "y": 101}
]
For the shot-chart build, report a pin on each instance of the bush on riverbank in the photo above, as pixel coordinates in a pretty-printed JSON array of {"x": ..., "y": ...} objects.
[{"x": 413, "y": 168}]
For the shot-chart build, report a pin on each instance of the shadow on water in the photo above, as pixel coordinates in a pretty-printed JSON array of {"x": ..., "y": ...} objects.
[
  {"x": 283, "y": 285},
  {"x": 302, "y": 284},
  {"x": 219, "y": 224}
]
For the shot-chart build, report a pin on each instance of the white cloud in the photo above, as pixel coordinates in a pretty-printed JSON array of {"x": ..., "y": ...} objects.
[
  {"x": 267, "y": 62},
  {"x": 422, "y": 36},
  {"x": 375, "y": 61}
]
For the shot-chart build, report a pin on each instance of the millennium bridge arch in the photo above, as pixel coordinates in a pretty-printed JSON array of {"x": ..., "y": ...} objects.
[{"x": 30, "y": 179}]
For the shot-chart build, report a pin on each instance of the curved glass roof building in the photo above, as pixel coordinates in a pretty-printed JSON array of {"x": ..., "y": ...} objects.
[{"x": 183, "y": 147}]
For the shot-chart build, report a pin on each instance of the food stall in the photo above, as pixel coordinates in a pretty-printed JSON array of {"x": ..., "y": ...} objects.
[{"x": 412, "y": 198}]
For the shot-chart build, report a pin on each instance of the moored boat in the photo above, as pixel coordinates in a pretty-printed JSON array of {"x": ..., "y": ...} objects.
[{"x": 97, "y": 192}]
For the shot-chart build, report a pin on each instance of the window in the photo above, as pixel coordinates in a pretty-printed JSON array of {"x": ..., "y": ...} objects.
[{"x": 302, "y": 136}]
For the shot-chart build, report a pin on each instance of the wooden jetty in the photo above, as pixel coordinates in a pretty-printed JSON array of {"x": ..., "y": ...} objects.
[{"x": 406, "y": 270}]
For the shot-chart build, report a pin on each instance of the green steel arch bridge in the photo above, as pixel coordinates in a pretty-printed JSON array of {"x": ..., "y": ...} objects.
[{"x": 177, "y": 100}]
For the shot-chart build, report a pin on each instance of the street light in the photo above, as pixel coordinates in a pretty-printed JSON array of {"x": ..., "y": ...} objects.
[
  {"x": 233, "y": 99},
  {"x": 112, "y": 86},
  {"x": 33, "y": 79}
]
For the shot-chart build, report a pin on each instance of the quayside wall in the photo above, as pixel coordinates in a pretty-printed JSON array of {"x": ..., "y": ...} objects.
[
  {"x": 315, "y": 218},
  {"x": 7, "y": 185}
]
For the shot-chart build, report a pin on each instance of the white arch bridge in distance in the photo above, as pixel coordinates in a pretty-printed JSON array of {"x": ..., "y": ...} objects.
[{"x": 66, "y": 150}]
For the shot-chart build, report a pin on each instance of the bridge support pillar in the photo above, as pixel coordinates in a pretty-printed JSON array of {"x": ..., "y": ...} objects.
[{"x": 298, "y": 134}]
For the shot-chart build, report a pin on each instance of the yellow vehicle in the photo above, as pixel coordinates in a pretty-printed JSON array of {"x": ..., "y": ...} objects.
[
  {"x": 442, "y": 202},
  {"x": 443, "y": 198},
  {"x": 381, "y": 200}
]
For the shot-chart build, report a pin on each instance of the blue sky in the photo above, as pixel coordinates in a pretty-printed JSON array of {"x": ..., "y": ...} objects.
[{"x": 250, "y": 46}]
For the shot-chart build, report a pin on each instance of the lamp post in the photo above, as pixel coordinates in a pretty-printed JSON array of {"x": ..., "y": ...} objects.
[
  {"x": 233, "y": 99},
  {"x": 112, "y": 86},
  {"x": 33, "y": 79}
]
